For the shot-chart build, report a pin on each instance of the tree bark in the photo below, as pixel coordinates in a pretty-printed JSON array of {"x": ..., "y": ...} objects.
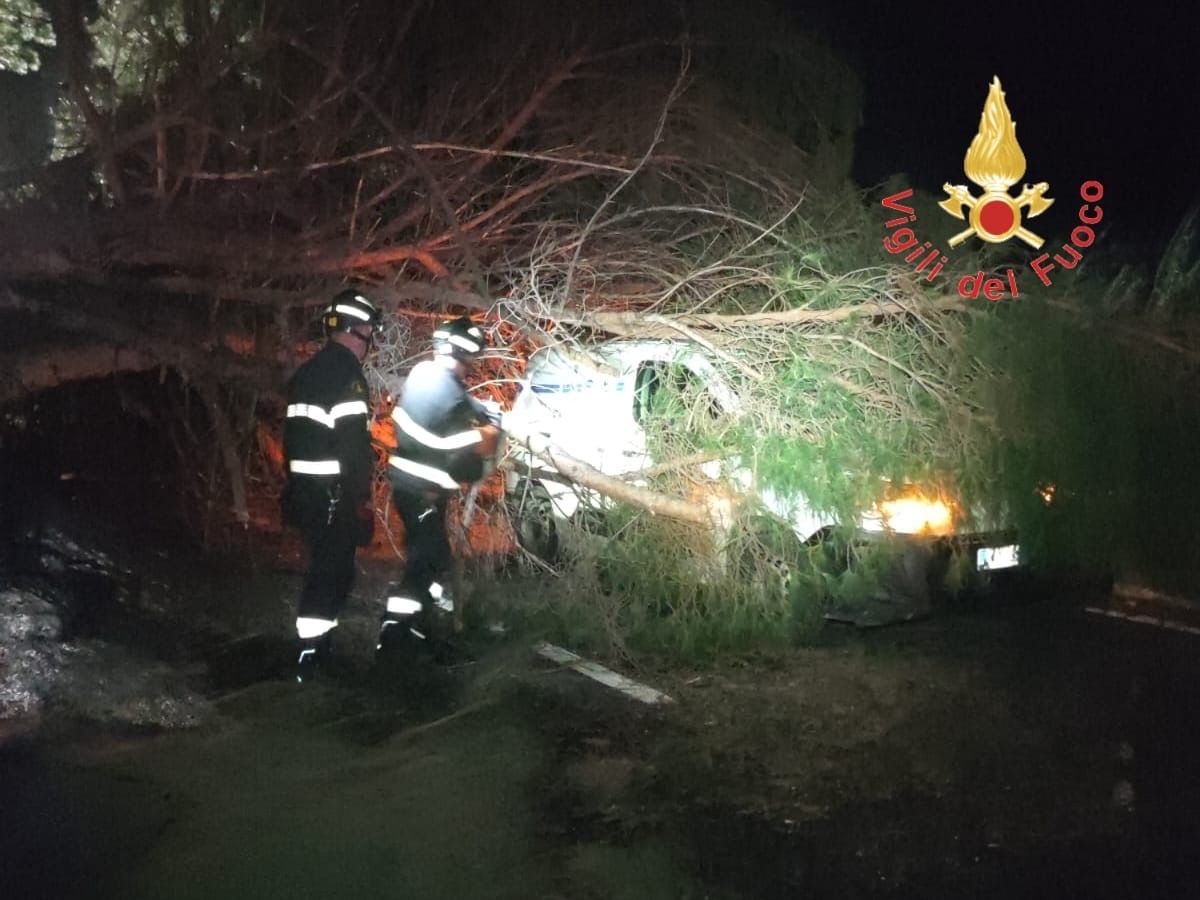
[
  {"x": 109, "y": 346},
  {"x": 581, "y": 473},
  {"x": 639, "y": 323},
  {"x": 27, "y": 372}
]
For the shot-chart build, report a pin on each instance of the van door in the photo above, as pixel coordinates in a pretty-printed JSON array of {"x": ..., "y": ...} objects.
[{"x": 628, "y": 452}]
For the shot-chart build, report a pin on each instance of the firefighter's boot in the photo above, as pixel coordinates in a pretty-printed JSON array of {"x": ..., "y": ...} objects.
[
  {"x": 400, "y": 626},
  {"x": 314, "y": 656}
]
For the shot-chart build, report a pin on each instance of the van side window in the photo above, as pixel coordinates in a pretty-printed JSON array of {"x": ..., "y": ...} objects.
[
  {"x": 649, "y": 376},
  {"x": 686, "y": 393}
]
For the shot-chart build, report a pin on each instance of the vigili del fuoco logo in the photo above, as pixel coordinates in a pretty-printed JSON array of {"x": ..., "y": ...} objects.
[{"x": 994, "y": 162}]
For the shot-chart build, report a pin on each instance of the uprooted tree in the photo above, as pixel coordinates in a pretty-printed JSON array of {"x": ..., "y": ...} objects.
[
  {"x": 213, "y": 172},
  {"x": 217, "y": 171}
]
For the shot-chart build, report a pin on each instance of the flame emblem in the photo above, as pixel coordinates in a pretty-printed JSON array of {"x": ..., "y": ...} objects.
[{"x": 994, "y": 161}]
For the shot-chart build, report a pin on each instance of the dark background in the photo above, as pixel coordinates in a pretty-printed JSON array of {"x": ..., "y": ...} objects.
[
  {"x": 1098, "y": 91},
  {"x": 1096, "y": 94}
]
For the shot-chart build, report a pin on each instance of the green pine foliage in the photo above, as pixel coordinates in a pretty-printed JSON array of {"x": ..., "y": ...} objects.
[
  {"x": 24, "y": 28},
  {"x": 999, "y": 406},
  {"x": 1111, "y": 423}
]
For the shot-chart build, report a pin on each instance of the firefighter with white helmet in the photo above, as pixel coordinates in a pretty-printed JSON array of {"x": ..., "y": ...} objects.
[
  {"x": 330, "y": 464},
  {"x": 444, "y": 439}
]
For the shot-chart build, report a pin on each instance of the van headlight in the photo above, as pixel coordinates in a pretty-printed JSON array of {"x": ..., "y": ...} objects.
[{"x": 912, "y": 513}]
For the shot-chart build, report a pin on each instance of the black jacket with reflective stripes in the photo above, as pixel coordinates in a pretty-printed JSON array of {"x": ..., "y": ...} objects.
[
  {"x": 435, "y": 438},
  {"x": 326, "y": 436}
]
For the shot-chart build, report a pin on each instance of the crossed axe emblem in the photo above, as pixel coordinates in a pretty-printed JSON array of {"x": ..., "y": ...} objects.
[{"x": 994, "y": 216}]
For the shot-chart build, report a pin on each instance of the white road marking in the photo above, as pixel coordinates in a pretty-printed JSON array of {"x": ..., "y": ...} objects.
[
  {"x": 597, "y": 672},
  {"x": 1140, "y": 592},
  {"x": 1143, "y": 620}
]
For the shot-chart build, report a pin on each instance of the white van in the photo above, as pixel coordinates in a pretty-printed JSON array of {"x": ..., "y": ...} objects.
[{"x": 592, "y": 405}]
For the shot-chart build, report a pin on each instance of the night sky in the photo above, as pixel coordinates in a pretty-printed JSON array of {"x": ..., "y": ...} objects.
[{"x": 1095, "y": 95}]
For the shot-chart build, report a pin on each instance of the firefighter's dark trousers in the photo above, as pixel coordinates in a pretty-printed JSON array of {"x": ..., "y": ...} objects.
[
  {"x": 330, "y": 574},
  {"x": 427, "y": 546}
]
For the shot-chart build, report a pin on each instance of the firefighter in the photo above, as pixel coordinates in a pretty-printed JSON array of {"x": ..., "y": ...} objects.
[
  {"x": 330, "y": 463},
  {"x": 444, "y": 438}
]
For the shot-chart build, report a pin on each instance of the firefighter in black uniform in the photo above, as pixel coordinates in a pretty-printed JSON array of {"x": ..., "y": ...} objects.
[
  {"x": 327, "y": 444},
  {"x": 444, "y": 438}
]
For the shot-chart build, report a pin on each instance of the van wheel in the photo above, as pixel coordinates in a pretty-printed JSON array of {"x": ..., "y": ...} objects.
[
  {"x": 532, "y": 515},
  {"x": 766, "y": 554}
]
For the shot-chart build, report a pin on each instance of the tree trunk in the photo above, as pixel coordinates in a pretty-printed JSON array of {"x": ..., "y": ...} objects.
[{"x": 30, "y": 371}]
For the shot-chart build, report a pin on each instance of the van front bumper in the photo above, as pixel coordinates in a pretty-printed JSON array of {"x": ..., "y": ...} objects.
[{"x": 988, "y": 551}]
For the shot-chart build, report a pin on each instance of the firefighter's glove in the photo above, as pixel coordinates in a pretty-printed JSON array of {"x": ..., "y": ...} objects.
[
  {"x": 364, "y": 530},
  {"x": 489, "y": 441}
]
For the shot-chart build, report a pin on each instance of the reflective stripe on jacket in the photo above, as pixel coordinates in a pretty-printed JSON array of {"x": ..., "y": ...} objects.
[
  {"x": 435, "y": 433},
  {"x": 326, "y": 436}
]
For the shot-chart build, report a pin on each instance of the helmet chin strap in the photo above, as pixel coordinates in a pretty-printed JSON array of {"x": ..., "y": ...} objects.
[{"x": 366, "y": 341}]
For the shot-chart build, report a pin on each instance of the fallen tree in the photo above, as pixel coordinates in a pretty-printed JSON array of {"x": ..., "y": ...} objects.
[
  {"x": 222, "y": 187},
  {"x": 235, "y": 176}
]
